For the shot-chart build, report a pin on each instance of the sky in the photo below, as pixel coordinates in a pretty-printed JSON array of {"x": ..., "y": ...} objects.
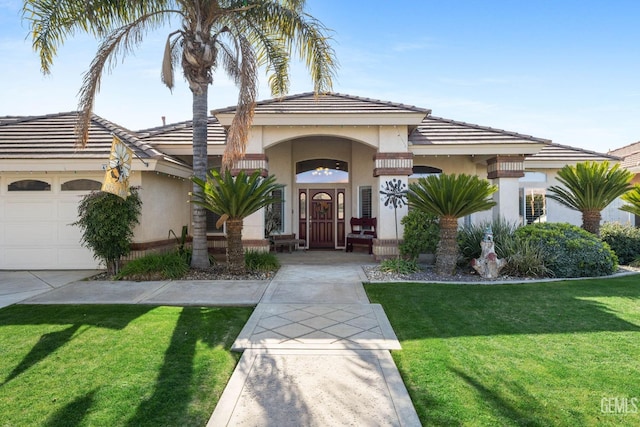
[{"x": 564, "y": 70}]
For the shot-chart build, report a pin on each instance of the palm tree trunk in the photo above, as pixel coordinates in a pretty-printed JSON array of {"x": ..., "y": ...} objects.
[
  {"x": 235, "y": 251},
  {"x": 591, "y": 221},
  {"x": 447, "y": 251},
  {"x": 200, "y": 255}
]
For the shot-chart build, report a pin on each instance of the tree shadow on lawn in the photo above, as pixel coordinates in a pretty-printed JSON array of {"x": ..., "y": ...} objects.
[
  {"x": 73, "y": 413},
  {"x": 174, "y": 389},
  {"x": 418, "y": 310},
  {"x": 49, "y": 343}
]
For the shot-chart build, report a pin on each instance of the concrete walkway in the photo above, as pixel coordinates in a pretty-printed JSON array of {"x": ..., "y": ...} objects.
[{"x": 315, "y": 351}]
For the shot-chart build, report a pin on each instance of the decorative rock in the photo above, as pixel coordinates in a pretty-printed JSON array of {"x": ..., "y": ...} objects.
[{"x": 488, "y": 265}]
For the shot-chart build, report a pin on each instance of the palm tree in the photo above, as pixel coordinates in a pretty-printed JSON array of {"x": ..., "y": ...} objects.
[
  {"x": 589, "y": 187},
  {"x": 234, "y": 199},
  {"x": 240, "y": 36},
  {"x": 633, "y": 198},
  {"x": 450, "y": 197}
]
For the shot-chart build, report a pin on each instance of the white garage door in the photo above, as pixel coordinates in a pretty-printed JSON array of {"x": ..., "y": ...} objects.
[{"x": 35, "y": 231}]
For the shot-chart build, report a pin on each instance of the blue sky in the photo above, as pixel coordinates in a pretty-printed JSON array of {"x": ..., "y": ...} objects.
[{"x": 564, "y": 70}]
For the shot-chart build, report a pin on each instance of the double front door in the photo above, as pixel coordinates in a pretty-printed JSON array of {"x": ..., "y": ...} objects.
[{"x": 321, "y": 217}]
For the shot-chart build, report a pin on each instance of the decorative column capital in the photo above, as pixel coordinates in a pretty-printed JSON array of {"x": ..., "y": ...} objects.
[
  {"x": 505, "y": 167},
  {"x": 393, "y": 164},
  {"x": 251, "y": 163}
]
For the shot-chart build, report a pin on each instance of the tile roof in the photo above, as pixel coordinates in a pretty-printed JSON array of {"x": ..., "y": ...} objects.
[
  {"x": 565, "y": 153},
  {"x": 182, "y": 133},
  {"x": 437, "y": 130},
  {"x": 309, "y": 103},
  {"x": 53, "y": 136},
  {"x": 630, "y": 155}
]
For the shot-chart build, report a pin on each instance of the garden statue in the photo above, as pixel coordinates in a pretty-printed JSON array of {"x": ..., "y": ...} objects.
[{"x": 488, "y": 265}]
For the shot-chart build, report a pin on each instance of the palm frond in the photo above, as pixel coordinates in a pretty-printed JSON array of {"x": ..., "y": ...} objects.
[
  {"x": 451, "y": 195},
  {"x": 590, "y": 185},
  {"x": 237, "y": 197},
  {"x": 632, "y": 197},
  {"x": 120, "y": 42}
]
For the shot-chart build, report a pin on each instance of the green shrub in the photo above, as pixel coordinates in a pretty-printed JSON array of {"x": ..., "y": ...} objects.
[
  {"x": 107, "y": 222},
  {"x": 570, "y": 251},
  {"x": 421, "y": 234},
  {"x": 399, "y": 265},
  {"x": 624, "y": 240},
  {"x": 261, "y": 261},
  {"x": 469, "y": 238},
  {"x": 156, "y": 266},
  {"x": 524, "y": 258}
]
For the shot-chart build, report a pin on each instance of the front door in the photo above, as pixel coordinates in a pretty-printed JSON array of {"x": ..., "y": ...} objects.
[{"x": 321, "y": 209}]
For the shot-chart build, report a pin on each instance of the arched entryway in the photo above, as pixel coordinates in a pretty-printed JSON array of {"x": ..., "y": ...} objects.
[{"x": 321, "y": 202}]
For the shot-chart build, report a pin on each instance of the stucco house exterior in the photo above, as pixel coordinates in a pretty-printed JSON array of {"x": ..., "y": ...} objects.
[{"x": 332, "y": 153}]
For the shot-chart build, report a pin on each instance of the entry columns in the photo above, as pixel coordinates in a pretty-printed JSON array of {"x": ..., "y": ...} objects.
[
  {"x": 253, "y": 225},
  {"x": 392, "y": 171},
  {"x": 504, "y": 171}
]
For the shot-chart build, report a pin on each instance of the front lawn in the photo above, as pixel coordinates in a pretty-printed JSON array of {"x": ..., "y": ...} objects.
[
  {"x": 537, "y": 354},
  {"x": 122, "y": 365}
]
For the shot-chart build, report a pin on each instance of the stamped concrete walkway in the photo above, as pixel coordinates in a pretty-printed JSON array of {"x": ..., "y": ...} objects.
[{"x": 316, "y": 353}]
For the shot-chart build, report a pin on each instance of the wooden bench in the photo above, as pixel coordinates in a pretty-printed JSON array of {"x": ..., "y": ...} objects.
[
  {"x": 285, "y": 240},
  {"x": 363, "y": 231}
]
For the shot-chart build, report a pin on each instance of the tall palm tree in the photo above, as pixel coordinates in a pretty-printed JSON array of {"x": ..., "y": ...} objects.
[
  {"x": 240, "y": 36},
  {"x": 234, "y": 199},
  {"x": 450, "y": 197},
  {"x": 632, "y": 197},
  {"x": 589, "y": 187}
]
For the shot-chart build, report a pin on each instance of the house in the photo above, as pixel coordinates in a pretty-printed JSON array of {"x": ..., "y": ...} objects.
[
  {"x": 630, "y": 159},
  {"x": 333, "y": 154}
]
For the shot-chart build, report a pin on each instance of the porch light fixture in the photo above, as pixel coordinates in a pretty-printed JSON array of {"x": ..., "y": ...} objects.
[{"x": 321, "y": 171}]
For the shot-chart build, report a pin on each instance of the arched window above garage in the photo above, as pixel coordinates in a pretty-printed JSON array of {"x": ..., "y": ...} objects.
[
  {"x": 29, "y": 185},
  {"x": 82, "y": 185}
]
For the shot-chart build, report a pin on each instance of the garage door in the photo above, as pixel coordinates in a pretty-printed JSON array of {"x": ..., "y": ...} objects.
[{"x": 35, "y": 230}]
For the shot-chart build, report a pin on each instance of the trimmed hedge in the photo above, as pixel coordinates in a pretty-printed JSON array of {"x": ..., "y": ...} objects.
[
  {"x": 624, "y": 240},
  {"x": 571, "y": 251}
]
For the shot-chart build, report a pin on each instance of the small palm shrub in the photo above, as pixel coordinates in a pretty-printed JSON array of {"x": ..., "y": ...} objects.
[
  {"x": 155, "y": 266},
  {"x": 399, "y": 265},
  {"x": 421, "y": 234},
  {"x": 261, "y": 261},
  {"x": 570, "y": 251},
  {"x": 624, "y": 240}
]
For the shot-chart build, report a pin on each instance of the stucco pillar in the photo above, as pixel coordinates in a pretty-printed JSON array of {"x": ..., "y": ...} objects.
[
  {"x": 253, "y": 225},
  {"x": 392, "y": 172},
  {"x": 507, "y": 200},
  {"x": 504, "y": 171}
]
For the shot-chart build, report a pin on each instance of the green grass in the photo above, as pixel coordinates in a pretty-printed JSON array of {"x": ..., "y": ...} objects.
[
  {"x": 535, "y": 354},
  {"x": 114, "y": 365}
]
